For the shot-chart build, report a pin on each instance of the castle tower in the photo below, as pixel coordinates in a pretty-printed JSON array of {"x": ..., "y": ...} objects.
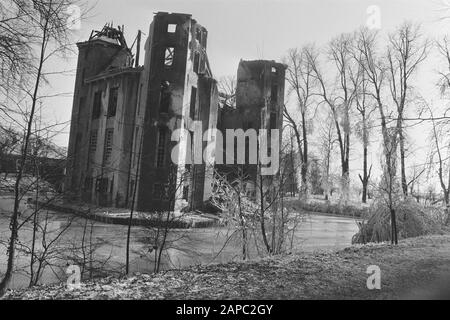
[
  {"x": 103, "y": 97},
  {"x": 178, "y": 89},
  {"x": 259, "y": 105}
]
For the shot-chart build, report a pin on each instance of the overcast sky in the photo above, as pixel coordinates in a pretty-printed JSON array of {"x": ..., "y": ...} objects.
[
  {"x": 260, "y": 29},
  {"x": 264, "y": 28}
]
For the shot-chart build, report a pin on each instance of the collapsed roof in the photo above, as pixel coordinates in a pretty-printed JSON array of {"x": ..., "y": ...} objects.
[{"x": 111, "y": 35}]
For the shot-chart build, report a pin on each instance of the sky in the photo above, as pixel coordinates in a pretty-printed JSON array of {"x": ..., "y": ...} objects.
[{"x": 259, "y": 29}]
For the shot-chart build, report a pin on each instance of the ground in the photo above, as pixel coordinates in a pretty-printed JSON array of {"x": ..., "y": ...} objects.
[{"x": 416, "y": 268}]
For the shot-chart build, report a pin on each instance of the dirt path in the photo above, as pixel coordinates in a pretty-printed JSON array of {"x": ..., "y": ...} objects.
[{"x": 417, "y": 268}]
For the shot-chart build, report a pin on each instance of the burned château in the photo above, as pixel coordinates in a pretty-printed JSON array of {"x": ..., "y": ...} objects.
[{"x": 124, "y": 115}]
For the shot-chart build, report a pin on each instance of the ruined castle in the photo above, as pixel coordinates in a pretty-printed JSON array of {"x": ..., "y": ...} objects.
[{"x": 124, "y": 115}]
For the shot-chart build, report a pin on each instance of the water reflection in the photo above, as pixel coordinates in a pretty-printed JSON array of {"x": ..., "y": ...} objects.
[{"x": 198, "y": 246}]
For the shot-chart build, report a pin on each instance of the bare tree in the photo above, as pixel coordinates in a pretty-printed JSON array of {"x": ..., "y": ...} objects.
[
  {"x": 292, "y": 184},
  {"x": 233, "y": 198},
  {"x": 368, "y": 58},
  {"x": 406, "y": 50},
  {"x": 133, "y": 204},
  {"x": 161, "y": 236},
  {"x": 278, "y": 223},
  {"x": 49, "y": 249},
  {"x": 48, "y": 35},
  {"x": 440, "y": 158},
  {"x": 86, "y": 254},
  {"x": 227, "y": 90},
  {"x": 443, "y": 46},
  {"x": 339, "y": 97},
  {"x": 363, "y": 126},
  {"x": 327, "y": 143},
  {"x": 301, "y": 84},
  {"x": 255, "y": 208}
]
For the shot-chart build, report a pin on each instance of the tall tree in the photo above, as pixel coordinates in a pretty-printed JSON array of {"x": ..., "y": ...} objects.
[
  {"x": 375, "y": 70},
  {"x": 339, "y": 96},
  {"x": 440, "y": 127},
  {"x": 439, "y": 156},
  {"x": 326, "y": 147},
  {"x": 47, "y": 34},
  {"x": 363, "y": 126},
  {"x": 406, "y": 50},
  {"x": 301, "y": 83}
]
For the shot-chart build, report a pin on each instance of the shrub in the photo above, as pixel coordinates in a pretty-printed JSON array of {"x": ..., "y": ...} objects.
[{"x": 413, "y": 220}]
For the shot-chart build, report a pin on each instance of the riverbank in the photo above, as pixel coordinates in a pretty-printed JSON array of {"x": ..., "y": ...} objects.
[
  {"x": 122, "y": 216},
  {"x": 327, "y": 208},
  {"x": 416, "y": 268}
]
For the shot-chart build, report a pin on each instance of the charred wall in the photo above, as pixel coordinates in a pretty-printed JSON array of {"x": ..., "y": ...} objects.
[{"x": 259, "y": 105}]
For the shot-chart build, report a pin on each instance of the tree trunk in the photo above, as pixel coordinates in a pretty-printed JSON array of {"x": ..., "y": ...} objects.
[
  {"x": 305, "y": 157},
  {"x": 394, "y": 233},
  {"x": 365, "y": 178},
  {"x": 364, "y": 192},
  {"x": 33, "y": 241},
  {"x": 447, "y": 200},
  {"x": 242, "y": 221},
  {"x": 327, "y": 189},
  {"x": 345, "y": 181},
  {"x": 262, "y": 211},
  {"x": 402, "y": 161},
  {"x": 447, "y": 206},
  {"x": 17, "y": 196},
  {"x": 390, "y": 151},
  {"x": 133, "y": 204},
  {"x": 344, "y": 141}
]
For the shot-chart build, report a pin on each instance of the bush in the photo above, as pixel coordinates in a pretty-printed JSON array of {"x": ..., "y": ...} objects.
[
  {"x": 413, "y": 220},
  {"x": 328, "y": 208}
]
